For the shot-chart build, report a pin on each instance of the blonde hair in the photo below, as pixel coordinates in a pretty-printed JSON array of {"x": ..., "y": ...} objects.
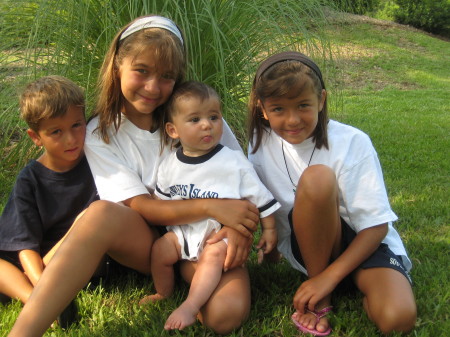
[
  {"x": 49, "y": 97},
  {"x": 169, "y": 54}
]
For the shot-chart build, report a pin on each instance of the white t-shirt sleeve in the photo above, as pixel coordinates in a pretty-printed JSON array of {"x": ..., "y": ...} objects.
[
  {"x": 254, "y": 190},
  {"x": 114, "y": 178},
  {"x": 228, "y": 138},
  {"x": 364, "y": 193},
  {"x": 254, "y": 159}
]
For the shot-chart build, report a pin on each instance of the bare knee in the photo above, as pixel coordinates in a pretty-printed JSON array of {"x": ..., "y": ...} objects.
[
  {"x": 227, "y": 316},
  {"x": 317, "y": 182},
  {"x": 107, "y": 210},
  {"x": 165, "y": 250},
  {"x": 396, "y": 318},
  {"x": 214, "y": 253},
  {"x": 229, "y": 306},
  {"x": 389, "y": 300},
  {"x": 13, "y": 283},
  {"x": 316, "y": 208},
  {"x": 107, "y": 217}
]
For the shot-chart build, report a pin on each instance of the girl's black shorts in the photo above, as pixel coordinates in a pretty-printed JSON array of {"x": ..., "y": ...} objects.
[{"x": 383, "y": 257}]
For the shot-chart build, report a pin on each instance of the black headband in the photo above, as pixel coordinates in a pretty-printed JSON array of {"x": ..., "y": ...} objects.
[{"x": 288, "y": 56}]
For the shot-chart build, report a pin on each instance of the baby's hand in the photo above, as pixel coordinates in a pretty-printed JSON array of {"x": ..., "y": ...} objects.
[{"x": 267, "y": 243}]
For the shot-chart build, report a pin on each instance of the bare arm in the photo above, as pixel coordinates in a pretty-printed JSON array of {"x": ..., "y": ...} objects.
[
  {"x": 269, "y": 237},
  {"x": 32, "y": 264},
  {"x": 240, "y": 215},
  {"x": 316, "y": 288}
]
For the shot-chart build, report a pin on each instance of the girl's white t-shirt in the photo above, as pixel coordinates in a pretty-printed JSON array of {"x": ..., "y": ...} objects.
[
  {"x": 362, "y": 194},
  {"x": 128, "y": 165}
]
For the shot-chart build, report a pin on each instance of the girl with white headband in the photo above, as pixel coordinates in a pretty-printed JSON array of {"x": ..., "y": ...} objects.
[{"x": 124, "y": 148}]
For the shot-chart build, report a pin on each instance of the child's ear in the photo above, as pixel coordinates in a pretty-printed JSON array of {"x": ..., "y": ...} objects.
[
  {"x": 171, "y": 130},
  {"x": 322, "y": 99},
  {"x": 261, "y": 107},
  {"x": 34, "y": 137}
]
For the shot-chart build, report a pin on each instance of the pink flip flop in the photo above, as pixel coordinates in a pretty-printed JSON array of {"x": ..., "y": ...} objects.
[{"x": 319, "y": 314}]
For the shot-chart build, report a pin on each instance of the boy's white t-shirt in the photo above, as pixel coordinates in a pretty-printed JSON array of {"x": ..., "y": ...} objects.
[
  {"x": 221, "y": 173},
  {"x": 128, "y": 165},
  {"x": 362, "y": 194}
]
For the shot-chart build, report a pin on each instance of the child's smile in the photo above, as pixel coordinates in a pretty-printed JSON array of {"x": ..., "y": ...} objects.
[
  {"x": 144, "y": 86},
  {"x": 294, "y": 118}
]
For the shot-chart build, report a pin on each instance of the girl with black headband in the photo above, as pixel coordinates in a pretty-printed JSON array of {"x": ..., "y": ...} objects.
[
  {"x": 335, "y": 222},
  {"x": 124, "y": 148}
]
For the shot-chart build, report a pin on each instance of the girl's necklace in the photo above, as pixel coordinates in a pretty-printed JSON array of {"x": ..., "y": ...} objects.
[{"x": 287, "y": 169}]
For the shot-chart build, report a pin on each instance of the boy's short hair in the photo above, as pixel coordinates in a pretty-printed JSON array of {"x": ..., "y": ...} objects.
[
  {"x": 188, "y": 89},
  {"x": 184, "y": 90},
  {"x": 49, "y": 97}
]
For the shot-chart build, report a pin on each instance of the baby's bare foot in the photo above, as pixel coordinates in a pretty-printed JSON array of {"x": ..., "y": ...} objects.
[
  {"x": 185, "y": 315},
  {"x": 151, "y": 299}
]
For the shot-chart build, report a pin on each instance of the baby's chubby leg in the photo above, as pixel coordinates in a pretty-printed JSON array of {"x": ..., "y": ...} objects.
[
  {"x": 166, "y": 251},
  {"x": 204, "y": 282}
]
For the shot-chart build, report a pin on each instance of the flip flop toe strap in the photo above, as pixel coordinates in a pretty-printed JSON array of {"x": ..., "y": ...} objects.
[
  {"x": 321, "y": 313},
  {"x": 318, "y": 314}
]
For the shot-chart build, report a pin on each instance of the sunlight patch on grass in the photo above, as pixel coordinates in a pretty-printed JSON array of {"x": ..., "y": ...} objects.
[{"x": 427, "y": 78}]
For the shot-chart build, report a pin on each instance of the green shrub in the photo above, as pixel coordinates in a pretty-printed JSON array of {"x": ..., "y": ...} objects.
[
  {"x": 357, "y": 6},
  {"x": 385, "y": 10},
  {"x": 430, "y": 15}
]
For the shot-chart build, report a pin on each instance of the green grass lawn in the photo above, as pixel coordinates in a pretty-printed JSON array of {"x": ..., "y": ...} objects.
[{"x": 396, "y": 85}]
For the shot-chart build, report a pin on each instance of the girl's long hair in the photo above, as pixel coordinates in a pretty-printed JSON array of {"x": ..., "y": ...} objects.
[
  {"x": 285, "y": 78},
  {"x": 169, "y": 54}
]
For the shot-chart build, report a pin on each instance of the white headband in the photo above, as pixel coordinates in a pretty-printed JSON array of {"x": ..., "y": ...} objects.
[{"x": 152, "y": 22}]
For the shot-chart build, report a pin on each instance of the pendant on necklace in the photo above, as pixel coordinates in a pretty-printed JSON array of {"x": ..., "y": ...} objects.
[{"x": 287, "y": 169}]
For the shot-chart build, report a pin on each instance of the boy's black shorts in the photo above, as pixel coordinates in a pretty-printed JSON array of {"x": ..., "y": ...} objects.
[
  {"x": 11, "y": 257},
  {"x": 383, "y": 257}
]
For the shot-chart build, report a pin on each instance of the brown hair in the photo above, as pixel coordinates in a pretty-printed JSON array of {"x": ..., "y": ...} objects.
[
  {"x": 49, "y": 97},
  {"x": 187, "y": 89},
  {"x": 169, "y": 54},
  {"x": 285, "y": 77}
]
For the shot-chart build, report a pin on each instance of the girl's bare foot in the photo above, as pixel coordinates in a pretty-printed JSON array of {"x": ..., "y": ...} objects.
[
  {"x": 152, "y": 299},
  {"x": 316, "y": 320},
  {"x": 185, "y": 315}
]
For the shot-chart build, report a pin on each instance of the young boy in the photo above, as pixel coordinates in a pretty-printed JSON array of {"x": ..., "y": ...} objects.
[
  {"x": 51, "y": 191},
  {"x": 201, "y": 168}
]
